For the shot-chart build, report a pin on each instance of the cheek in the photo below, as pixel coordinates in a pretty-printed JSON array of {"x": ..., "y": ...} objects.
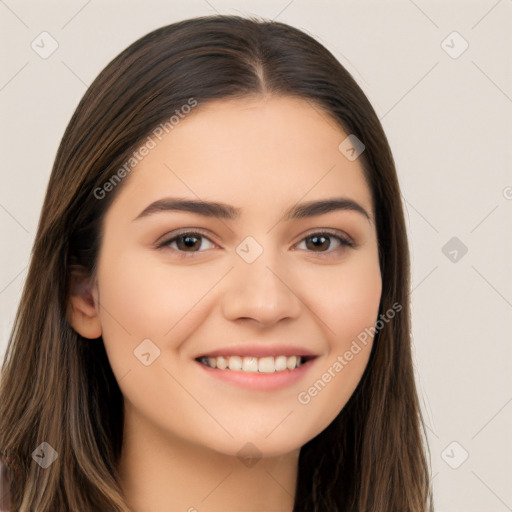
[
  {"x": 346, "y": 302},
  {"x": 344, "y": 297},
  {"x": 140, "y": 300}
]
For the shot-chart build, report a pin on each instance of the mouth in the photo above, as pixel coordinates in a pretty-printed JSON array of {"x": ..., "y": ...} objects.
[
  {"x": 253, "y": 364},
  {"x": 257, "y": 367}
]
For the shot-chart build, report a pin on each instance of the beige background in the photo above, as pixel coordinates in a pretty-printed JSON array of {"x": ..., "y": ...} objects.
[{"x": 449, "y": 124}]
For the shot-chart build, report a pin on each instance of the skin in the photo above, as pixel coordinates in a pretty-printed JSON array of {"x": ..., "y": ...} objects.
[{"x": 184, "y": 428}]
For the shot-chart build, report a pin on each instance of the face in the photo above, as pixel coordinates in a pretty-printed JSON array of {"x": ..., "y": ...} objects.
[{"x": 252, "y": 282}]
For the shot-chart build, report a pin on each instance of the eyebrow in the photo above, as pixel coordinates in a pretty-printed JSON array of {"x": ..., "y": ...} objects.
[{"x": 224, "y": 211}]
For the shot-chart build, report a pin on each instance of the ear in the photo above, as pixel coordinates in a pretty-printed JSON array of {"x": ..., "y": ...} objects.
[{"x": 83, "y": 305}]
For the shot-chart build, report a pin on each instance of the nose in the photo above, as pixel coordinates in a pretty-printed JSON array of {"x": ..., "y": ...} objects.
[{"x": 260, "y": 292}]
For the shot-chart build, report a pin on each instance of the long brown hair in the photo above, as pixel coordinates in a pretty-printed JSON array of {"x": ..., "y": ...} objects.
[{"x": 57, "y": 387}]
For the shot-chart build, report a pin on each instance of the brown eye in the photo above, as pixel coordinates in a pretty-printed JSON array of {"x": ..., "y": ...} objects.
[
  {"x": 322, "y": 242},
  {"x": 187, "y": 242}
]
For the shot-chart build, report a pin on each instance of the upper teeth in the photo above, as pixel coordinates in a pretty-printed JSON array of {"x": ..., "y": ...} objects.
[{"x": 253, "y": 364}]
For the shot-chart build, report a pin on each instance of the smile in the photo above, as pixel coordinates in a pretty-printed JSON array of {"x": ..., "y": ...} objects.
[{"x": 268, "y": 364}]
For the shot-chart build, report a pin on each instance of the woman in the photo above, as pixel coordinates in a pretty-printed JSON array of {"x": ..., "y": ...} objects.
[{"x": 216, "y": 313}]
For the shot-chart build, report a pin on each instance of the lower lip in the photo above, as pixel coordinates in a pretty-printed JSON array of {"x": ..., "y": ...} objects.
[{"x": 260, "y": 381}]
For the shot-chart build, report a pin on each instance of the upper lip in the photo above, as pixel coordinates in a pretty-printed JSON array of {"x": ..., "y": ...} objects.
[{"x": 265, "y": 350}]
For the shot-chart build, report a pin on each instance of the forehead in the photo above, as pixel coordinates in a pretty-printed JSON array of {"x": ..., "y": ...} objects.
[{"x": 260, "y": 154}]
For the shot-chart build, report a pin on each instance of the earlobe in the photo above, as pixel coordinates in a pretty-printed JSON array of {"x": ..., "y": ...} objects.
[{"x": 83, "y": 306}]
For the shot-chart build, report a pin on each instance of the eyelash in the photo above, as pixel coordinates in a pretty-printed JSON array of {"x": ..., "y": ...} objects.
[{"x": 344, "y": 242}]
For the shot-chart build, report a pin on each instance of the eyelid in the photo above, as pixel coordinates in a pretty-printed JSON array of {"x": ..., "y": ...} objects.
[
  {"x": 345, "y": 243},
  {"x": 332, "y": 232},
  {"x": 169, "y": 237}
]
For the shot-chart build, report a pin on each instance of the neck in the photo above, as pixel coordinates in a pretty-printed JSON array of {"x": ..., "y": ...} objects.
[{"x": 162, "y": 473}]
